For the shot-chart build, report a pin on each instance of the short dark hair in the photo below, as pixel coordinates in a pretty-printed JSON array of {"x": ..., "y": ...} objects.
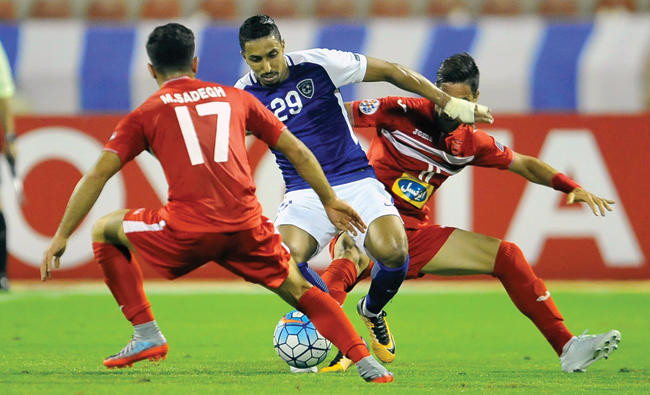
[
  {"x": 258, "y": 26},
  {"x": 171, "y": 48},
  {"x": 459, "y": 68}
]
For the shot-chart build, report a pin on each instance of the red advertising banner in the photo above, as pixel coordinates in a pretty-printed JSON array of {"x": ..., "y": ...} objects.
[{"x": 605, "y": 154}]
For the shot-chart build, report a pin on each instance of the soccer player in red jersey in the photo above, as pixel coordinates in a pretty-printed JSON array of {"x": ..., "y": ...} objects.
[
  {"x": 415, "y": 150},
  {"x": 197, "y": 130}
]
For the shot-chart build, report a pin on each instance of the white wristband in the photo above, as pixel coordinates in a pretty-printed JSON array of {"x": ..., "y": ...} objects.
[{"x": 461, "y": 110}]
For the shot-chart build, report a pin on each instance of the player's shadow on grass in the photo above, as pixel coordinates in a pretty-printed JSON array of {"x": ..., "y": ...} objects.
[{"x": 154, "y": 371}]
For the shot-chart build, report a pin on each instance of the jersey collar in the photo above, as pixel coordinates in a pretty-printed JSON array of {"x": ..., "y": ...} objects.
[{"x": 181, "y": 78}]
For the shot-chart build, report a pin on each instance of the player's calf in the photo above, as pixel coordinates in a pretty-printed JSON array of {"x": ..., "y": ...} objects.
[{"x": 530, "y": 295}]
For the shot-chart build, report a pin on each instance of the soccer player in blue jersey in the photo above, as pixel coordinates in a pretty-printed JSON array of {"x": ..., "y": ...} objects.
[{"x": 302, "y": 90}]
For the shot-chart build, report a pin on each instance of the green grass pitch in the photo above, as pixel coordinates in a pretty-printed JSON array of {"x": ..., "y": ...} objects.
[{"x": 54, "y": 340}]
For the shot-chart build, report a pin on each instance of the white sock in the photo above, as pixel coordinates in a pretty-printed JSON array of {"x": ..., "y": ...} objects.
[
  {"x": 148, "y": 331},
  {"x": 367, "y": 312}
]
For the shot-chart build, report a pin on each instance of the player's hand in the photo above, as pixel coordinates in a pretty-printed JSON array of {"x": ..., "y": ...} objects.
[
  {"x": 344, "y": 217},
  {"x": 597, "y": 204},
  {"x": 10, "y": 155},
  {"x": 482, "y": 114},
  {"x": 53, "y": 253},
  {"x": 467, "y": 112}
]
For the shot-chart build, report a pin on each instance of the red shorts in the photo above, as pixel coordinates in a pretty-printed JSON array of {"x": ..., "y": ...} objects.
[
  {"x": 424, "y": 244},
  {"x": 255, "y": 254}
]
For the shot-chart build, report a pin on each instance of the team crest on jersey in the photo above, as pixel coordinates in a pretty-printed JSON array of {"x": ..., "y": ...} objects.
[
  {"x": 369, "y": 106},
  {"x": 306, "y": 88},
  {"x": 412, "y": 190}
]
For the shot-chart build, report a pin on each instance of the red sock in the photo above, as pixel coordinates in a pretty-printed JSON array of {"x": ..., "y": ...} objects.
[
  {"x": 339, "y": 276},
  {"x": 330, "y": 320},
  {"x": 124, "y": 279},
  {"x": 530, "y": 295}
]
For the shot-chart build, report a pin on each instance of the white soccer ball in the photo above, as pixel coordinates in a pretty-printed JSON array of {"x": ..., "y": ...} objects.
[{"x": 297, "y": 341}]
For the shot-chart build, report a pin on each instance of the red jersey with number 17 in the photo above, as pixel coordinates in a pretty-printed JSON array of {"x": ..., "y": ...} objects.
[
  {"x": 197, "y": 131},
  {"x": 412, "y": 156}
]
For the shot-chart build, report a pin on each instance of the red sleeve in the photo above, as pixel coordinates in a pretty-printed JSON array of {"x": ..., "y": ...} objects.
[
  {"x": 379, "y": 112},
  {"x": 490, "y": 153},
  {"x": 260, "y": 121},
  {"x": 128, "y": 139}
]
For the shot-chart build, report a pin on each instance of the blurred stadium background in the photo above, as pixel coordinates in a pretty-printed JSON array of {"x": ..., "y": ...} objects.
[{"x": 568, "y": 81}]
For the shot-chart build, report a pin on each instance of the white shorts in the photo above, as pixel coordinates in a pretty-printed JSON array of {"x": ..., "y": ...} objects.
[{"x": 303, "y": 209}]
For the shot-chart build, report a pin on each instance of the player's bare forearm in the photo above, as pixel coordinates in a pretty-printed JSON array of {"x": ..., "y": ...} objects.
[
  {"x": 404, "y": 78},
  {"x": 412, "y": 81},
  {"x": 83, "y": 198},
  {"x": 6, "y": 117},
  {"x": 532, "y": 169},
  {"x": 306, "y": 164},
  {"x": 86, "y": 193},
  {"x": 540, "y": 172}
]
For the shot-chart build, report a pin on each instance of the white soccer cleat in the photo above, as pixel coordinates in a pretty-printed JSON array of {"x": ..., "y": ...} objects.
[
  {"x": 582, "y": 351},
  {"x": 372, "y": 371}
]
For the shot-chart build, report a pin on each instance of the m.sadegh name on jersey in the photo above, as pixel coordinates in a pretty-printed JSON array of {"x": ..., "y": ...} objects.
[{"x": 193, "y": 96}]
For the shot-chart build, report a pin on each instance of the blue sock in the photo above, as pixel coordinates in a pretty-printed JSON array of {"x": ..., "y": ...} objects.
[
  {"x": 384, "y": 285},
  {"x": 310, "y": 275}
]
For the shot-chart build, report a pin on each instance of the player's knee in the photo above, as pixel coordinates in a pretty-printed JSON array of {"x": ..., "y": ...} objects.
[
  {"x": 99, "y": 230},
  {"x": 392, "y": 252},
  {"x": 346, "y": 248},
  {"x": 298, "y": 252},
  {"x": 510, "y": 260},
  {"x": 510, "y": 251}
]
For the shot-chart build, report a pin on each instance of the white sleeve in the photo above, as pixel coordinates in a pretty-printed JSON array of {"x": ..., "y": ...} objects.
[
  {"x": 342, "y": 67},
  {"x": 241, "y": 83}
]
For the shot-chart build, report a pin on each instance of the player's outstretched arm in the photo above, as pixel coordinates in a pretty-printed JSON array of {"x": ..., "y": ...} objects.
[
  {"x": 540, "y": 172},
  {"x": 82, "y": 200},
  {"x": 342, "y": 215},
  {"x": 412, "y": 81}
]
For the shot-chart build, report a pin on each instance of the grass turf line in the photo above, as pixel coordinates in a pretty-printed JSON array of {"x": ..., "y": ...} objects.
[{"x": 471, "y": 342}]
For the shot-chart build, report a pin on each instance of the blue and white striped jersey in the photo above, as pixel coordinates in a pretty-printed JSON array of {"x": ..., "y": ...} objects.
[{"x": 310, "y": 104}]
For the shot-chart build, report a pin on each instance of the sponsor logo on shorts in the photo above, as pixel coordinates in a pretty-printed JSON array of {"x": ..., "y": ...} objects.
[{"x": 369, "y": 106}]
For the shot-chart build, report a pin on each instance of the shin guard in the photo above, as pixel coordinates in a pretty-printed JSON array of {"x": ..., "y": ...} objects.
[
  {"x": 124, "y": 278},
  {"x": 530, "y": 295}
]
